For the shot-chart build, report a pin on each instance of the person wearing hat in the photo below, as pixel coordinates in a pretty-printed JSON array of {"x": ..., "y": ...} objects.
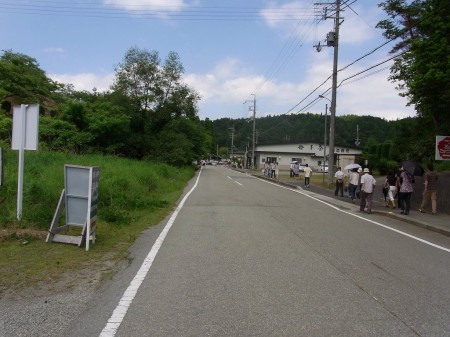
[
  {"x": 358, "y": 188},
  {"x": 367, "y": 187},
  {"x": 339, "y": 175}
]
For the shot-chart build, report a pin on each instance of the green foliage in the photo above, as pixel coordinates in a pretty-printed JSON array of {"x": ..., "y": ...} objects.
[
  {"x": 5, "y": 126},
  {"x": 22, "y": 81},
  {"x": 150, "y": 112},
  {"x": 59, "y": 135},
  {"x": 302, "y": 128},
  {"x": 126, "y": 187},
  {"x": 421, "y": 69}
]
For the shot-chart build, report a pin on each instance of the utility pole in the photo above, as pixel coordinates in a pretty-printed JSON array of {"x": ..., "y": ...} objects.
[
  {"x": 333, "y": 41},
  {"x": 357, "y": 140},
  {"x": 252, "y": 162},
  {"x": 232, "y": 140},
  {"x": 254, "y": 132},
  {"x": 333, "y": 93},
  {"x": 325, "y": 145}
]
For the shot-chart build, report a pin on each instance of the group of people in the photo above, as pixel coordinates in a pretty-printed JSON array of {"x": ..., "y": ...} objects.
[
  {"x": 360, "y": 184},
  {"x": 396, "y": 186},
  {"x": 295, "y": 172},
  {"x": 401, "y": 186},
  {"x": 271, "y": 170}
]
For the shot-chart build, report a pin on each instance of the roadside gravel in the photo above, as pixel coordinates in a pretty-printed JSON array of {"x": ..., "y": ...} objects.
[{"x": 42, "y": 315}]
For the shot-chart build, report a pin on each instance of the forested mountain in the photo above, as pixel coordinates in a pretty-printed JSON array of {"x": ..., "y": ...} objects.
[{"x": 306, "y": 128}]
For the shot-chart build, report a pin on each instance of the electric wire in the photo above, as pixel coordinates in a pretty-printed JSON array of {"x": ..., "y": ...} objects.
[
  {"x": 142, "y": 12},
  {"x": 292, "y": 44}
]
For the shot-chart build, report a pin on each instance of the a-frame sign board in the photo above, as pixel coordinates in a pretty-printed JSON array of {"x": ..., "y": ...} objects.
[{"x": 79, "y": 199}]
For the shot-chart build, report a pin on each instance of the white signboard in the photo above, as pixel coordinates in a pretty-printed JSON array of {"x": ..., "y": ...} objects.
[
  {"x": 25, "y": 127},
  {"x": 25, "y": 137},
  {"x": 79, "y": 198},
  {"x": 442, "y": 148}
]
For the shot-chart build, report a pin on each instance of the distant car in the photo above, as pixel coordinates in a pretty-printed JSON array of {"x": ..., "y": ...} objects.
[
  {"x": 322, "y": 168},
  {"x": 302, "y": 167}
]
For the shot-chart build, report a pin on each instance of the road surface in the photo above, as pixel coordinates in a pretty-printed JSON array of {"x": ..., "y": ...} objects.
[{"x": 245, "y": 257}]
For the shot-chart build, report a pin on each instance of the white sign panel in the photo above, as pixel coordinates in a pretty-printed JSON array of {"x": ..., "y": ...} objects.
[
  {"x": 25, "y": 127},
  {"x": 442, "y": 148}
]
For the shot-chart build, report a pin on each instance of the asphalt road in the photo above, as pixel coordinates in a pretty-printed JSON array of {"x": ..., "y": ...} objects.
[{"x": 245, "y": 257}]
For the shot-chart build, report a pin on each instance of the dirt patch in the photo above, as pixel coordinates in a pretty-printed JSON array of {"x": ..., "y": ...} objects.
[
  {"x": 90, "y": 276},
  {"x": 22, "y": 234}
]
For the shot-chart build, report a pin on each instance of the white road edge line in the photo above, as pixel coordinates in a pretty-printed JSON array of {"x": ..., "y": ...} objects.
[
  {"x": 362, "y": 218},
  {"x": 127, "y": 298}
]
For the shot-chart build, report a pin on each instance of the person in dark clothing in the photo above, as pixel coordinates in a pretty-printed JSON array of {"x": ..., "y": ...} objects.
[
  {"x": 390, "y": 184},
  {"x": 430, "y": 190}
]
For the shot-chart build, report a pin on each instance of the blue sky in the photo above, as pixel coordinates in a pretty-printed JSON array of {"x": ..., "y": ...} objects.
[{"x": 229, "y": 49}]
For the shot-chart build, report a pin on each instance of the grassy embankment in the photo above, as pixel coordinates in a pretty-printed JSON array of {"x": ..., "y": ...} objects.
[{"x": 133, "y": 195}]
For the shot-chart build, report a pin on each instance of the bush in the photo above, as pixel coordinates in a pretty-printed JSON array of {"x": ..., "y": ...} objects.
[{"x": 126, "y": 187}]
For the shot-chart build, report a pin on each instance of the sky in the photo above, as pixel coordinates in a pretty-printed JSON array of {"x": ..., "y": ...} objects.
[{"x": 234, "y": 52}]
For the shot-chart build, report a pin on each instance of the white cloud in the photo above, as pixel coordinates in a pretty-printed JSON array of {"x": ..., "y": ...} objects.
[
  {"x": 85, "y": 81},
  {"x": 225, "y": 88},
  {"x": 223, "y": 91},
  {"x": 277, "y": 15},
  {"x": 302, "y": 19},
  {"x": 162, "y": 7},
  {"x": 55, "y": 50}
]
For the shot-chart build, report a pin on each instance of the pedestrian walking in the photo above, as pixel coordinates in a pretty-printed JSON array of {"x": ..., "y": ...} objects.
[
  {"x": 308, "y": 174},
  {"x": 390, "y": 185},
  {"x": 272, "y": 169},
  {"x": 367, "y": 187},
  {"x": 296, "y": 170},
  {"x": 430, "y": 190},
  {"x": 339, "y": 175},
  {"x": 354, "y": 181},
  {"x": 405, "y": 191}
]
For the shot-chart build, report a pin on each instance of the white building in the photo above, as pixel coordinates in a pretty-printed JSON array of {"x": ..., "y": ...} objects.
[{"x": 306, "y": 153}]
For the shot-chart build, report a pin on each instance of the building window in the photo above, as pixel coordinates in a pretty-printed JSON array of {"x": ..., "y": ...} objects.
[{"x": 271, "y": 160}]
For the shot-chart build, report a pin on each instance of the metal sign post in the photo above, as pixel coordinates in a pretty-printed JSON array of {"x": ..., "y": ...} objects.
[
  {"x": 25, "y": 137},
  {"x": 79, "y": 198}
]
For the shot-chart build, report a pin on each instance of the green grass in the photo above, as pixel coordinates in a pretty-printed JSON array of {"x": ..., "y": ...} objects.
[{"x": 133, "y": 195}]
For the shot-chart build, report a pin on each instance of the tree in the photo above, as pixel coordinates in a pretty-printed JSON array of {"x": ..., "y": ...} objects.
[
  {"x": 181, "y": 142},
  {"x": 422, "y": 68},
  {"x": 155, "y": 94},
  {"x": 22, "y": 81}
]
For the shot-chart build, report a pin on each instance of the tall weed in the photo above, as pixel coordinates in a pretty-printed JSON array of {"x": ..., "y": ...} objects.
[{"x": 126, "y": 186}]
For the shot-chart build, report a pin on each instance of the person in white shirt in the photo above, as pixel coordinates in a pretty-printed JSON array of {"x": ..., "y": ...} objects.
[
  {"x": 367, "y": 187},
  {"x": 339, "y": 175},
  {"x": 354, "y": 181},
  {"x": 308, "y": 174}
]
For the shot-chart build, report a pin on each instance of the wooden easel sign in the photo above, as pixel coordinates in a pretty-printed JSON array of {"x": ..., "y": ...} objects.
[{"x": 79, "y": 200}]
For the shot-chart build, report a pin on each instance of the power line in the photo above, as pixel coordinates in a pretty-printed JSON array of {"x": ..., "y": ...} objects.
[
  {"x": 292, "y": 44},
  {"x": 87, "y": 9},
  {"x": 354, "y": 75},
  {"x": 343, "y": 68}
]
